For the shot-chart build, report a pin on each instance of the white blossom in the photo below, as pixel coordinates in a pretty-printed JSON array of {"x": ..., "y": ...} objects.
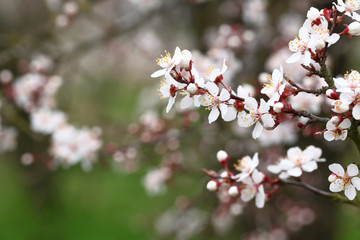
[
  {"x": 167, "y": 63},
  {"x": 349, "y": 7},
  {"x": 275, "y": 86},
  {"x": 297, "y": 162},
  {"x": 254, "y": 188},
  {"x": 345, "y": 181},
  {"x": 321, "y": 32},
  {"x": 257, "y": 115},
  {"x": 246, "y": 166},
  {"x": 215, "y": 102},
  {"x": 213, "y": 72},
  {"x": 70, "y": 145},
  {"x": 349, "y": 83},
  {"x": 337, "y": 132},
  {"x": 168, "y": 89},
  {"x": 191, "y": 97},
  {"x": 154, "y": 180},
  {"x": 46, "y": 121},
  {"x": 299, "y": 46}
]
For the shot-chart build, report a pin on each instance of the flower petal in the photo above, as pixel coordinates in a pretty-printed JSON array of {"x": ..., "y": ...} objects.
[
  {"x": 309, "y": 166},
  {"x": 170, "y": 103},
  {"x": 245, "y": 120},
  {"x": 257, "y": 130},
  {"x": 307, "y": 58},
  {"x": 337, "y": 186},
  {"x": 284, "y": 175},
  {"x": 356, "y": 182},
  {"x": 230, "y": 114},
  {"x": 264, "y": 107},
  {"x": 158, "y": 73},
  {"x": 356, "y": 112},
  {"x": 214, "y": 114},
  {"x": 247, "y": 194},
  {"x": 345, "y": 124},
  {"x": 223, "y": 109},
  {"x": 295, "y": 172},
  {"x": 257, "y": 176},
  {"x": 268, "y": 120},
  {"x": 333, "y": 39},
  {"x": 329, "y": 136},
  {"x": 224, "y": 95},
  {"x": 276, "y": 169},
  {"x": 260, "y": 197},
  {"x": 286, "y": 164},
  {"x": 352, "y": 170},
  {"x": 337, "y": 169},
  {"x": 186, "y": 102},
  {"x": 294, "y": 58},
  {"x": 212, "y": 88},
  {"x": 350, "y": 192},
  {"x": 251, "y": 103}
]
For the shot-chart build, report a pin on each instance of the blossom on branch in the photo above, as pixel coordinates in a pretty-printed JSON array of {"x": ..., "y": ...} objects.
[
  {"x": 255, "y": 114},
  {"x": 214, "y": 101},
  {"x": 337, "y": 131},
  {"x": 349, "y": 7},
  {"x": 246, "y": 166},
  {"x": 344, "y": 181},
  {"x": 254, "y": 188},
  {"x": 275, "y": 86},
  {"x": 297, "y": 162}
]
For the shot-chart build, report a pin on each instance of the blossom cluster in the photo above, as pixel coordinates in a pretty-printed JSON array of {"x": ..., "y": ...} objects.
[
  {"x": 34, "y": 93},
  {"x": 316, "y": 35},
  {"x": 250, "y": 183},
  {"x": 209, "y": 91}
]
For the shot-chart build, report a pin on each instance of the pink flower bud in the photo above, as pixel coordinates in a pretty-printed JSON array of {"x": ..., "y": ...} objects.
[
  {"x": 233, "y": 191},
  {"x": 212, "y": 186},
  {"x": 192, "y": 88},
  {"x": 278, "y": 107},
  {"x": 185, "y": 59},
  {"x": 330, "y": 93},
  {"x": 354, "y": 29},
  {"x": 332, "y": 178},
  {"x": 335, "y": 120},
  {"x": 222, "y": 156},
  {"x": 224, "y": 174},
  {"x": 320, "y": 44}
]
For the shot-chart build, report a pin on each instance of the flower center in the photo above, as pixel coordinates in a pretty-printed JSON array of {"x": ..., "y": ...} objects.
[
  {"x": 347, "y": 181},
  {"x": 297, "y": 45}
]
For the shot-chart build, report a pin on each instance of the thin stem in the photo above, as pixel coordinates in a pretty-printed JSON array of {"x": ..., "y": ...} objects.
[
  {"x": 333, "y": 196},
  {"x": 316, "y": 92},
  {"x": 324, "y": 73},
  {"x": 308, "y": 115},
  {"x": 308, "y": 187}
]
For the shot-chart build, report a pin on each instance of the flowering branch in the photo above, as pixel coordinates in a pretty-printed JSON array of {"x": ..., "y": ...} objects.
[
  {"x": 333, "y": 196},
  {"x": 304, "y": 113},
  {"x": 308, "y": 187},
  {"x": 317, "y": 92}
]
